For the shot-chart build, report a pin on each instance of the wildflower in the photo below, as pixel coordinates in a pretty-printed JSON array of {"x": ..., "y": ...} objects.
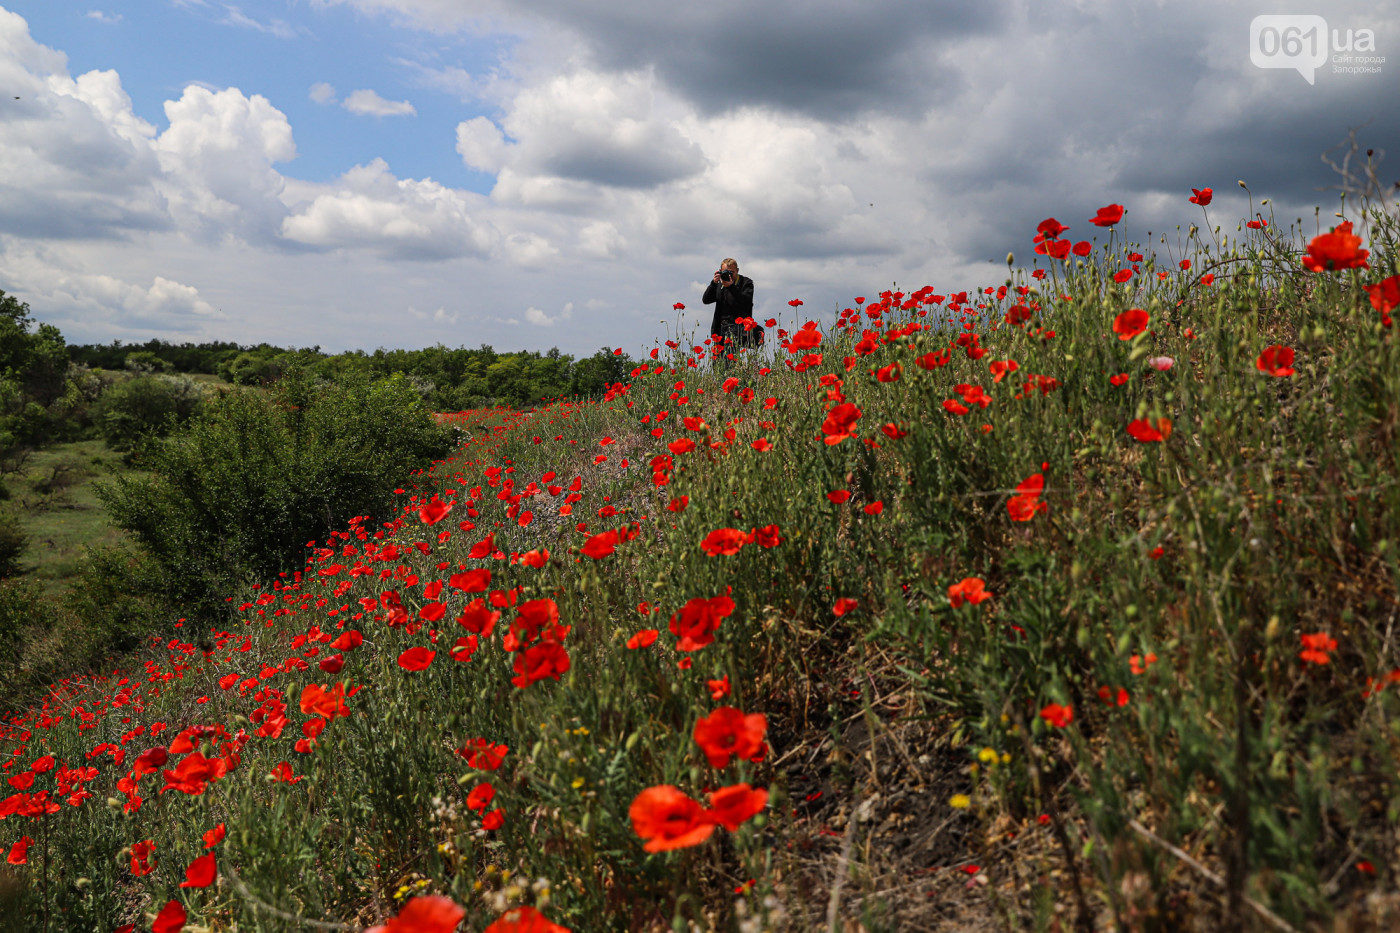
[
  {"x": 434, "y": 511},
  {"x": 1118, "y": 380},
  {"x": 1161, "y": 363},
  {"x": 1130, "y": 323},
  {"x": 719, "y": 689},
  {"x": 1027, "y": 502},
  {"x": 523, "y": 920},
  {"x": 731, "y": 806},
  {"x": 416, "y": 659},
  {"x": 1139, "y": 664},
  {"x": 471, "y": 581},
  {"x": 1142, "y": 430},
  {"x": 1385, "y": 297},
  {"x": 601, "y": 544},
  {"x": 727, "y": 733},
  {"x": 724, "y": 541},
  {"x": 1317, "y": 648},
  {"x": 282, "y": 773},
  {"x": 480, "y": 797},
  {"x": 665, "y": 819},
  {"x": 1337, "y": 249},
  {"x": 970, "y": 590},
  {"x": 643, "y": 639},
  {"x": 427, "y": 914},
  {"x": 19, "y": 852},
  {"x": 141, "y": 853},
  {"x": 546, "y": 659},
  {"x": 201, "y": 872},
  {"x": 838, "y": 496},
  {"x": 844, "y": 605},
  {"x": 214, "y": 836},
  {"x": 1107, "y": 216},
  {"x": 960, "y": 801},
  {"x": 1057, "y": 715},
  {"x": 171, "y": 918},
  {"x": 698, "y": 620},
  {"x": 1201, "y": 196},
  {"x": 1275, "y": 361},
  {"x": 840, "y": 423}
]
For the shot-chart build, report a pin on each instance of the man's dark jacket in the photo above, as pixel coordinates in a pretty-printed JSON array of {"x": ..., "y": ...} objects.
[{"x": 731, "y": 303}]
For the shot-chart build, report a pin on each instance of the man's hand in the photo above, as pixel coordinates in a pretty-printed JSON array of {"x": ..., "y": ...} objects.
[{"x": 717, "y": 281}]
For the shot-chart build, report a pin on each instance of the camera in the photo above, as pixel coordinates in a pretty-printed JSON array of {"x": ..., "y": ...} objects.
[{"x": 726, "y": 276}]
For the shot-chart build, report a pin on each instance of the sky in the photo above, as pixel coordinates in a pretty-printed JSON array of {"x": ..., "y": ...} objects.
[{"x": 559, "y": 173}]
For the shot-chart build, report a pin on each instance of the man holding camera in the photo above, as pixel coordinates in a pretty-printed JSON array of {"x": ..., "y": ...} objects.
[{"x": 732, "y": 296}]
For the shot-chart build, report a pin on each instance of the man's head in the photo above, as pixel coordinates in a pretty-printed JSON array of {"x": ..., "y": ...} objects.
[{"x": 728, "y": 270}]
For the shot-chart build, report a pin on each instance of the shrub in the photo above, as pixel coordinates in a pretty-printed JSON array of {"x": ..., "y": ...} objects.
[
  {"x": 12, "y": 540},
  {"x": 252, "y": 477},
  {"x": 143, "y": 406}
]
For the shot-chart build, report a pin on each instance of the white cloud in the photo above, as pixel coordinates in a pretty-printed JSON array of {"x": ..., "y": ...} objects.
[
  {"x": 217, "y": 156},
  {"x": 322, "y": 93},
  {"x": 367, "y": 103},
  {"x": 101, "y": 17},
  {"x": 233, "y": 16},
  {"x": 481, "y": 145},
  {"x": 368, "y": 207},
  {"x": 540, "y": 319}
]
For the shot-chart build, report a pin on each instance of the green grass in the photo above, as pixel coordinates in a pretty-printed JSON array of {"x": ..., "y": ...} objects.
[{"x": 54, "y": 493}]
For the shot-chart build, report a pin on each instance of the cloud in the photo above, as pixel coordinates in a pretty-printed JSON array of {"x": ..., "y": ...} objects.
[
  {"x": 101, "y": 17},
  {"x": 279, "y": 29},
  {"x": 217, "y": 157},
  {"x": 540, "y": 319},
  {"x": 368, "y": 103},
  {"x": 322, "y": 93},
  {"x": 369, "y": 208}
]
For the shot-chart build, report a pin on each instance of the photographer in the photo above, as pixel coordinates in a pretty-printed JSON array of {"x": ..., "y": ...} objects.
[{"x": 732, "y": 296}]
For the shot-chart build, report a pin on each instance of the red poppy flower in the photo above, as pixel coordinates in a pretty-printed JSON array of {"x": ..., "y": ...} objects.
[
  {"x": 201, "y": 872},
  {"x": 734, "y": 805},
  {"x": 844, "y": 605},
  {"x": 601, "y": 545},
  {"x": 724, "y": 541},
  {"x": 416, "y": 659},
  {"x": 840, "y": 423},
  {"x": 428, "y": 914},
  {"x": 1118, "y": 380},
  {"x": 1130, "y": 323},
  {"x": 480, "y": 797},
  {"x": 666, "y": 819},
  {"x": 698, "y": 620},
  {"x": 1050, "y": 228},
  {"x": 767, "y": 536},
  {"x": 970, "y": 590},
  {"x": 19, "y": 852},
  {"x": 141, "y": 853},
  {"x": 808, "y": 338},
  {"x": 471, "y": 581},
  {"x": 1201, "y": 196},
  {"x": 482, "y": 548},
  {"x": 434, "y": 511},
  {"x": 893, "y": 431},
  {"x": 873, "y": 508},
  {"x": 890, "y": 373},
  {"x": 727, "y": 733},
  {"x": 1027, "y": 502},
  {"x": 933, "y": 360},
  {"x": 282, "y": 773},
  {"x": 171, "y": 918},
  {"x": 524, "y": 920},
  {"x": 1275, "y": 361},
  {"x": 1143, "y": 430},
  {"x": 1337, "y": 249},
  {"x": 1385, "y": 294},
  {"x": 1057, "y": 715},
  {"x": 546, "y": 659},
  {"x": 643, "y": 639},
  {"x": 682, "y": 446},
  {"x": 213, "y": 837},
  {"x": 1317, "y": 648},
  {"x": 719, "y": 689},
  {"x": 839, "y": 496},
  {"x": 1107, "y": 216}
]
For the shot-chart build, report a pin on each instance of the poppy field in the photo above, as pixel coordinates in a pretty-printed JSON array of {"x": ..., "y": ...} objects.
[{"x": 1064, "y": 602}]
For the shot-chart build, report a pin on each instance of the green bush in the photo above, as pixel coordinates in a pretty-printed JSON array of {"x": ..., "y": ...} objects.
[
  {"x": 144, "y": 405},
  {"x": 240, "y": 490},
  {"x": 12, "y": 540}
]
